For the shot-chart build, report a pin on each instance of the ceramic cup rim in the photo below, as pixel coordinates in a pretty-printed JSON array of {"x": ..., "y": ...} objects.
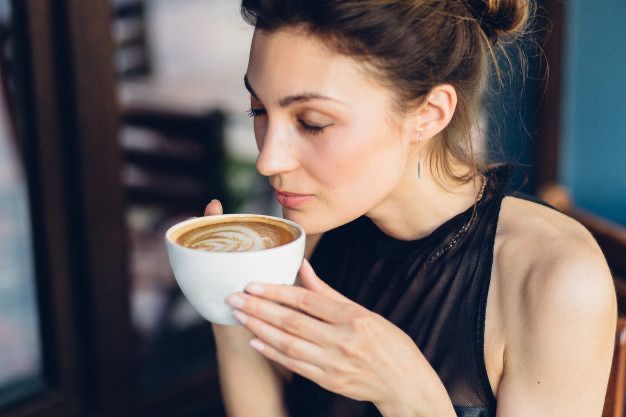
[{"x": 217, "y": 218}]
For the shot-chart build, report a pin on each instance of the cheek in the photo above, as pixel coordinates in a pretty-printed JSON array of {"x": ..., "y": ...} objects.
[
  {"x": 360, "y": 168},
  {"x": 349, "y": 185}
]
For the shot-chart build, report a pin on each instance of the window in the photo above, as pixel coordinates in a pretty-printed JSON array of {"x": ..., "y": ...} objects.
[{"x": 21, "y": 370}]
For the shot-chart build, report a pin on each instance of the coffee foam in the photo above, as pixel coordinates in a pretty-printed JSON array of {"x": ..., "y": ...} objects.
[
  {"x": 237, "y": 236},
  {"x": 234, "y": 238}
]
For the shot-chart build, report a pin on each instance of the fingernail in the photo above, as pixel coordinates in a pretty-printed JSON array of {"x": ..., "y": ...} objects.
[
  {"x": 241, "y": 316},
  {"x": 257, "y": 344},
  {"x": 235, "y": 301},
  {"x": 254, "y": 289}
]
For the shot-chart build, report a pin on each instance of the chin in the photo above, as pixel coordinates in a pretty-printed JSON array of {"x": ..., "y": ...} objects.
[
  {"x": 299, "y": 218},
  {"x": 309, "y": 223}
]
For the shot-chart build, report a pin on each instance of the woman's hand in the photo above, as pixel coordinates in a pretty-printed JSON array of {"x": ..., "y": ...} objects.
[{"x": 318, "y": 333}]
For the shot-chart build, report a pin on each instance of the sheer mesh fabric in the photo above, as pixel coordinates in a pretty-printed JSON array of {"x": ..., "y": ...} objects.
[{"x": 440, "y": 304}]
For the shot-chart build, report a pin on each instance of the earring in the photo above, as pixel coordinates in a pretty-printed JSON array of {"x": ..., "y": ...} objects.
[{"x": 419, "y": 160}]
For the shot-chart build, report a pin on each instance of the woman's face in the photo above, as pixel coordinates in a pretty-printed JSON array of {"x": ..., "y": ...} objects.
[{"x": 323, "y": 128}]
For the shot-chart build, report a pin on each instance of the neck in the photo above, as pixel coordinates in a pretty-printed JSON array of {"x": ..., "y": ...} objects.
[{"x": 417, "y": 206}]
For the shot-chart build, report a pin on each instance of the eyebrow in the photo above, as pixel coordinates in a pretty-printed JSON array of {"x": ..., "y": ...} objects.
[{"x": 287, "y": 101}]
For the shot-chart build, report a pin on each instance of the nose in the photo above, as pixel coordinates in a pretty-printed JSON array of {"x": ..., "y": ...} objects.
[{"x": 277, "y": 153}]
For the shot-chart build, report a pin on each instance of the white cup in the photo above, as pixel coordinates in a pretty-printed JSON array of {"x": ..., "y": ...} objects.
[{"x": 207, "y": 278}]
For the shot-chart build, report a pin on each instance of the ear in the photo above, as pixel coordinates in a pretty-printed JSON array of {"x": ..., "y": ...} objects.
[{"x": 436, "y": 111}]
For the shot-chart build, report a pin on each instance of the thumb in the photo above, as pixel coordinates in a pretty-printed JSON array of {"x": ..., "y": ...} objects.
[
  {"x": 213, "y": 208},
  {"x": 311, "y": 281}
]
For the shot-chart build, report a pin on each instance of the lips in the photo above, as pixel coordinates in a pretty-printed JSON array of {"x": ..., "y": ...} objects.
[
  {"x": 291, "y": 200},
  {"x": 288, "y": 194}
]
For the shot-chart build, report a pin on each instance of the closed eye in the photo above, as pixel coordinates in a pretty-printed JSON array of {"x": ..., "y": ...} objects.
[
  {"x": 313, "y": 130},
  {"x": 252, "y": 112}
]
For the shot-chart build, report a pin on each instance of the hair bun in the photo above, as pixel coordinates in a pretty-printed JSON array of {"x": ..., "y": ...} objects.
[{"x": 500, "y": 18}]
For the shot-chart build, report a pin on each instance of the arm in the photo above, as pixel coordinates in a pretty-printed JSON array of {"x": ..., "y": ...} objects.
[
  {"x": 560, "y": 341},
  {"x": 250, "y": 385},
  {"x": 239, "y": 362}
]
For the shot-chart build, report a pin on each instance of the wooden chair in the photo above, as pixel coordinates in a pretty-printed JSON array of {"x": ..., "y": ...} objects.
[
  {"x": 614, "y": 401},
  {"x": 612, "y": 239},
  {"x": 173, "y": 159},
  {"x": 132, "y": 52},
  {"x": 174, "y": 164}
]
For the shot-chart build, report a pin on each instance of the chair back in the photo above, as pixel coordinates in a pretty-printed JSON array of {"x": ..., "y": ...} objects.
[
  {"x": 614, "y": 400},
  {"x": 173, "y": 159},
  {"x": 132, "y": 51}
]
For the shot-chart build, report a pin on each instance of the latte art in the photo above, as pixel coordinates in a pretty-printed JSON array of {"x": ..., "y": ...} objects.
[
  {"x": 232, "y": 238},
  {"x": 237, "y": 236}
]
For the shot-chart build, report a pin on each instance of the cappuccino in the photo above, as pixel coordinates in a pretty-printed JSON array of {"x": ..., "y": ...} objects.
[
  {"x": 228, "y": 253},
  {"x": 241, "y": 235}
]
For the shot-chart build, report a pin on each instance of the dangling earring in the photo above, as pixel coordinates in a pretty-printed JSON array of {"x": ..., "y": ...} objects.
[{"x": 419, "y": 160}]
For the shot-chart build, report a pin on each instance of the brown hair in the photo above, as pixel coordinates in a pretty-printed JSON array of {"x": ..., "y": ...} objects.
[{"x": 413, "y": 46}]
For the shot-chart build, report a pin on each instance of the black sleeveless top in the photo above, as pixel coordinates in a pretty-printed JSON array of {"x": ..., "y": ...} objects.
[{"x": 436, "y": 295}]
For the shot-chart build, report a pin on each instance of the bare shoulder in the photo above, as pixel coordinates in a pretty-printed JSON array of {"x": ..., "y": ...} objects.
[
  {"x": 522, "y": 222},
  {"x": 543, "y": 249},
  {"x": 549, "y": 264},
  {"x": 553, "y": 288}
]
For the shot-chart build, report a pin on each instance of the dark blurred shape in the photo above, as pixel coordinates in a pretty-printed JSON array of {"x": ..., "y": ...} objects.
[
  {"x": 176, "y": 162},
  {"x": 132, "y": 55}
]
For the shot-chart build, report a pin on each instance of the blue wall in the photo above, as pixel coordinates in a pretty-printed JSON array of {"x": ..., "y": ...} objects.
[{"x": 593, "y": 162}]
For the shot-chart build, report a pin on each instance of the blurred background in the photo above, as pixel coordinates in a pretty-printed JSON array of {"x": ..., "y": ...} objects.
[{"x": 119, "y": 118}]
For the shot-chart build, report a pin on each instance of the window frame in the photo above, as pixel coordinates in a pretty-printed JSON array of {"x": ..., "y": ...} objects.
[
  {"x": 68, "y": 123},
  {"x": 37, "y": 113}
]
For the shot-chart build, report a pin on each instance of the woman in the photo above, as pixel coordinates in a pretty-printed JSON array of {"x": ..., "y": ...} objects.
[{"x": 431, "y": 291}]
